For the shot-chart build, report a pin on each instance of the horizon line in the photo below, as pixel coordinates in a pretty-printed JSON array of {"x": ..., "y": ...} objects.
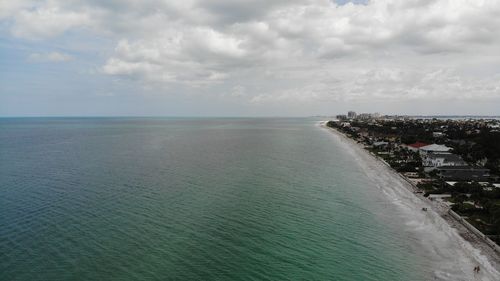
[{"x": 235, "y": 116}]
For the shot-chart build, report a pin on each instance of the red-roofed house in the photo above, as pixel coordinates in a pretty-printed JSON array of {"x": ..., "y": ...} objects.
[{"x": 416, "y": 146}]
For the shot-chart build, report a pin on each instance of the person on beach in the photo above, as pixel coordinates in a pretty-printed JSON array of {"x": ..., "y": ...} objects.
[{"x": 476, "y": 269}]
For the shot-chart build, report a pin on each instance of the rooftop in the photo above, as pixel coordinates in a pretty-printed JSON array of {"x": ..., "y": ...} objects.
[
  {"x": 462, "y": 168},
  {"x": 435, "y": 147},
  {"x": 448, "y": 157},
  {"x": 418, "y": 144}
]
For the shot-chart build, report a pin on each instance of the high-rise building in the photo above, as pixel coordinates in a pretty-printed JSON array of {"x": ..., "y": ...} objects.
[
  {"x": 351, "y": 114},
  {"x": 341, "y": 117},
  {"x": 364, "y": 116}
]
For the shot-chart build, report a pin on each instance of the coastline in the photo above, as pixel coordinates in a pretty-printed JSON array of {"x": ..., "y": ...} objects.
[{"x": 469, "y": 250}]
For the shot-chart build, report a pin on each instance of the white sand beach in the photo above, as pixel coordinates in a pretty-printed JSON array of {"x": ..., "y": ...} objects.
[{"x": 455, "y": 250}]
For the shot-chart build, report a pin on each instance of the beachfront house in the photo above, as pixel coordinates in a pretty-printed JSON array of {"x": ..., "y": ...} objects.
[
  {"x": 415, "y": 146},
  {"x": 438, "y": 159},
  {"x": 433, "y": 148},
  {"x": 486, "y": 185},
  {"x": 380, "y": 144}
]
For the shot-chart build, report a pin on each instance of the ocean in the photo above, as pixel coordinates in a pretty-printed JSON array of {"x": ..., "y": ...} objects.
[{"x": 194, "y": 199}]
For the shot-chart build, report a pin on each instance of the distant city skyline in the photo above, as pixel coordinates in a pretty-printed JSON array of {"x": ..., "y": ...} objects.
[{"x": 249, "y": 58}]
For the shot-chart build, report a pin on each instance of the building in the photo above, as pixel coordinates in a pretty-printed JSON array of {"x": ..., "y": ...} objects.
[
  {"x": 438, "y": 159},
  {"x": 351, "y": 115},
  {"x": 433, "y": 148},
  {"x": 365, "y": 116},
  {"x": 486, "y": 185},
  {"x": 416, "y": 146},
  {"x": 463, "y": 173},
  {"x": 380, "y": 144},
  {"x": 341, "y": 117},
  {"x": 438, "y": 134}
]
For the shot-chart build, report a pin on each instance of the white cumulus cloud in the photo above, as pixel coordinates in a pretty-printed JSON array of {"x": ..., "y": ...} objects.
[{"x": 288, "y": 50}]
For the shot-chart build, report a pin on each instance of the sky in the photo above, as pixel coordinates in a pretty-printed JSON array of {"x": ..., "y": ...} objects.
[{"x": 249, "y": 57}]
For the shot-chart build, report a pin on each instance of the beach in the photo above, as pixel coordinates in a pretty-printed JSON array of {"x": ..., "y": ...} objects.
[{"x": 456, "y": 250}]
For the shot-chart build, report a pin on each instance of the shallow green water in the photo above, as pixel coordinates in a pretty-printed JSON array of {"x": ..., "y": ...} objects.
[{"x": 191, "y": 199}]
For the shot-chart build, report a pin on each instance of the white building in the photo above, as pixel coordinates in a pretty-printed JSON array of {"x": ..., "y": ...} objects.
[
  {"x": 380, "y": 144},
  {"x": 433, "y": 148},
  {"x": 438, "y": 159}
]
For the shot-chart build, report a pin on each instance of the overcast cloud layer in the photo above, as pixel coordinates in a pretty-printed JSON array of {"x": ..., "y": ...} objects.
[{"x": 242, "y": 57}]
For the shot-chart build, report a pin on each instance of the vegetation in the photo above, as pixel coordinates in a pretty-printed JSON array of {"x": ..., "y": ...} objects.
[{"x": 476, "y": 141}]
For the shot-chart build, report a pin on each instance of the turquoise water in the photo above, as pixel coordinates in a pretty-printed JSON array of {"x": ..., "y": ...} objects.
[{"x": 192, "y": 199}]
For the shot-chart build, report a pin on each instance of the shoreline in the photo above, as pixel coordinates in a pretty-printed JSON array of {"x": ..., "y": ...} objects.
[{"x": 474, "y": 249}]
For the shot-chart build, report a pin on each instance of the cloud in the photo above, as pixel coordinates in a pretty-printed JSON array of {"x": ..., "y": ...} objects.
[
  {"x": 196, "y": 56},
  {"x": 383, "y": 84},
  {"x": 295, "y": 50},
  {"x": 49, "y": 57},
  {"x": 47, "y": 21}
]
